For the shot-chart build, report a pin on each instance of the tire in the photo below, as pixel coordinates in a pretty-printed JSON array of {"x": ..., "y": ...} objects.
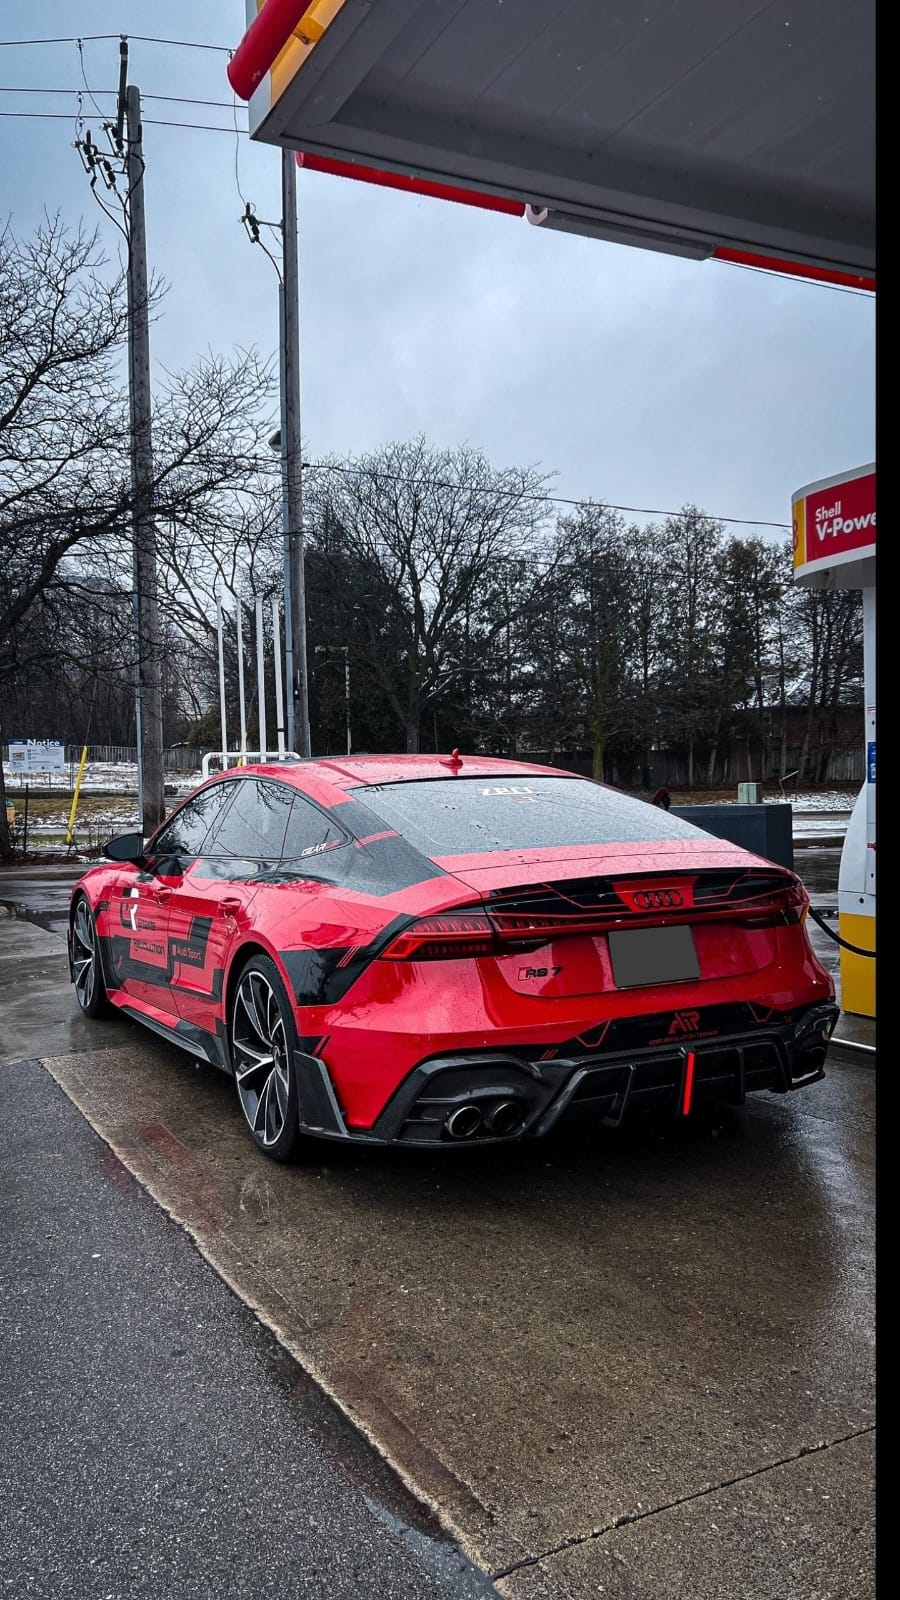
[
  {"x": 87, "y": 969},
  {"x": 261, "y": 1024}
]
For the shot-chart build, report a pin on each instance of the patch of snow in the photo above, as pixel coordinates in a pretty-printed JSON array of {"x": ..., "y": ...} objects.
[
  {"x": 824, "y": 800},
  {"x": 830, "y": 800},
  {"x": 118, "y": 777}
]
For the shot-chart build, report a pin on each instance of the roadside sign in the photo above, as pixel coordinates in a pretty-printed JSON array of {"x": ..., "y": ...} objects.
[{"x": 37, "y": 755}]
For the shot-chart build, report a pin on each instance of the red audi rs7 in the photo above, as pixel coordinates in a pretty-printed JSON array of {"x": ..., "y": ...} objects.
[{"x": 421, "y": 950}]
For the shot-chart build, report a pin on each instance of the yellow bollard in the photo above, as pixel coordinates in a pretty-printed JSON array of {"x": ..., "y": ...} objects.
[{"x": 70, "y": 831}]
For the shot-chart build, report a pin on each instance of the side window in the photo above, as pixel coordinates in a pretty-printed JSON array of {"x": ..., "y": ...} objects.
[
  {"x": 253, "y": 826},
  {"x": 309, "y": 831},
  {"x": 183, "y": 834}
]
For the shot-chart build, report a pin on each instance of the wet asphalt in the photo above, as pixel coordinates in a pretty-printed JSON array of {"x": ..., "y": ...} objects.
[
  {"x": 638, "y": 1365},
  {"x": 156, "y": 1441}
]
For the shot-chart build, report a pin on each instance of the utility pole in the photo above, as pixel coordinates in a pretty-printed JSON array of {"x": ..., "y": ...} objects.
[
  {"x": 149, "y": 651},
  {"x": 291, "y": 445}
]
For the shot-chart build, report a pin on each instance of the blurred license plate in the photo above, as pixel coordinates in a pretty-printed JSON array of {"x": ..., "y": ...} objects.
[{"x": 653, "y": 955}]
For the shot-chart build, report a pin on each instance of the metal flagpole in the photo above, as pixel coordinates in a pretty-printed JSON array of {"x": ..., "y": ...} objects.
[
  {"x": 242, "y": 703},
  {"x": 279, "y": 686},
  {"x": 261, "y": 676},
  {"x": 219, "y": 631}
]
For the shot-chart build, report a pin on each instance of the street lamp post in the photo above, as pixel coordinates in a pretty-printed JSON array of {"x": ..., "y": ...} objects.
[
  {"x": 276, "y": 443},
  {"x": 344, "y": 650}
]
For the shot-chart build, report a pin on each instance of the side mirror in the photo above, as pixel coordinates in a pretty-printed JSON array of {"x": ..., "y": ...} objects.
[{"x": 126, "y": 847}]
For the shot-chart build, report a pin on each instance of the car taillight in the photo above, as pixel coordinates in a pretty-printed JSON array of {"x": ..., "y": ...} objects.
[
  {"x": 786, "y": 909},
  {"x": 464, "y": 935},
  {"x": 529, "y": 930},
  {"x": 474, "y": 933}
]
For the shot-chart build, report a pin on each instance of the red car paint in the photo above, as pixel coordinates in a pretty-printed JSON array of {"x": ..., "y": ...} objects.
[{"x": 539, "y": 985}]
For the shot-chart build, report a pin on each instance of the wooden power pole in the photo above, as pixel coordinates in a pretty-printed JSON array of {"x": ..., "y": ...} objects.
[{"x": 151, "y": 790}]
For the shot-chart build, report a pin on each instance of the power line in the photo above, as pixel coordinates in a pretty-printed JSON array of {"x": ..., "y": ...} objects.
[
  {"x": 89, "y": 90},
  {"x": 237, "y": 156},
  {"x": 140, "y": 38},
  {"x": 267, "y": 464},
  {"x": 515, "y": 494},
  {"x": 183, "y": 44},
  {"x": 175, "y": 99},
  {"x": 155, "y": 122}
]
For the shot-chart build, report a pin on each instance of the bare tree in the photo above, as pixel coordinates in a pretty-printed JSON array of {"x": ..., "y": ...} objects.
[
  {"x": 828, "y": 625},
  {"x": 595, "y": 554},
  {"x": 749, "y": 580},
  {"x": 690, "y": 543},
  {"x": 413, "y": 536},
  {"x": 65, "y": 491},
  {"x": 63, "y": 433}
]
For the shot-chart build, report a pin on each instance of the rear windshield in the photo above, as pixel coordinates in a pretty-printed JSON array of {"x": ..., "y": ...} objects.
[{"x": 462, "y": 816}]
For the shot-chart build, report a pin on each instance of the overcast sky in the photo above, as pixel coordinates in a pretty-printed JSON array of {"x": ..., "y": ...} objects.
[{"x": 637, "y": 378}]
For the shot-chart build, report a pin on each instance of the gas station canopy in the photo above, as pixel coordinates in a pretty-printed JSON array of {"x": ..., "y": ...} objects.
[{"x": 743, "y": 130}]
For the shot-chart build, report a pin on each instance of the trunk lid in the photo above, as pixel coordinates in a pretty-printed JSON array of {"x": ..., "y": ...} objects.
[{"x": 571, "y": 922}]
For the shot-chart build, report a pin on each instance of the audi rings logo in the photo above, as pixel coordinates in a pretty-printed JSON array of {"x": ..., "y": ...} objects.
[{"x": 658, "y": 899}]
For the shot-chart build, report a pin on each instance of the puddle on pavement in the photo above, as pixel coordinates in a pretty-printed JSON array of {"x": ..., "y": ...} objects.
[{"x": 48, "y": 920}]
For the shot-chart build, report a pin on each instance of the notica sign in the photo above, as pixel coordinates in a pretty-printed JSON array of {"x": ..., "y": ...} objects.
[
  {"x": 37, "y": 755},
  {"x": 834, "y": 530}
]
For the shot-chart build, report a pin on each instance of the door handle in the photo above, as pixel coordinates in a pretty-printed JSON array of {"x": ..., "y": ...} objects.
[
  {"x": 164, "y": 895},
  {"x": 230, "y": 906}
]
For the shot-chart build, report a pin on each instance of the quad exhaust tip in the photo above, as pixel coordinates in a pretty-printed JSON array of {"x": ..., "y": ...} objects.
[
  {"x": 502, "y": 1120},
  {"x": 506, "y": 1118},
  {"x": 464, "y": 1122}
]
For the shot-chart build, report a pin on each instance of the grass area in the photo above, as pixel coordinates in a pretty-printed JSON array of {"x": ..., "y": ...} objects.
[
  {"x": 90, "y": 806},
  {"x": 99, "y": 817}
]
